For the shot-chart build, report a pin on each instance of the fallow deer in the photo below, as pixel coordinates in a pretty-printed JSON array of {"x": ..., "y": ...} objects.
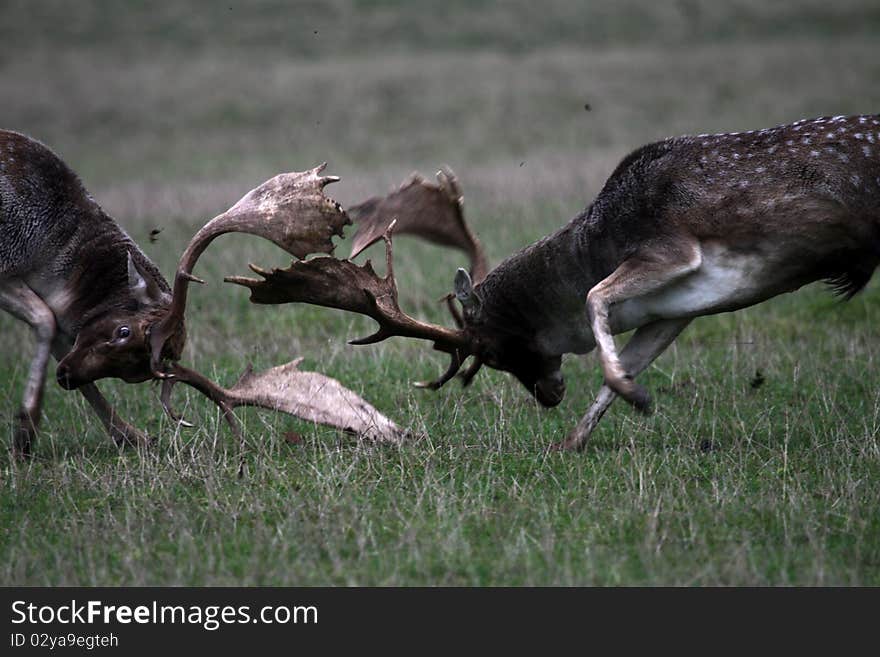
[
  {"x": 685, "y": 227},
  {"x": 100, "y": 306}
]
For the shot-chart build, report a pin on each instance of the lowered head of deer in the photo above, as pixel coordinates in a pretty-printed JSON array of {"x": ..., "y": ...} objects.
[
  {"x": 508, "y": 345},
  {"x": 493, "y": 335},
  {"x": 116, "y": 341}
]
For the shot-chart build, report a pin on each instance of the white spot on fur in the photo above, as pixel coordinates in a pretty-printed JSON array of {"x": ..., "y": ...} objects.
[
  {"x": 814, "y": 153},
  {"x": 760, "y": 170},
  {"x": 866, "y": 150}
]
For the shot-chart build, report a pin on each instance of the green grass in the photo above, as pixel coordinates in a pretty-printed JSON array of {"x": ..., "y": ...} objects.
[{"x": 170, "y": 115}]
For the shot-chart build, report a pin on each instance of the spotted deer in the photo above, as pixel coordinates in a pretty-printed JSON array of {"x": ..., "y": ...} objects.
[
  {"x": 100, "y": 306},
  {"x": 685, "y": 227}
]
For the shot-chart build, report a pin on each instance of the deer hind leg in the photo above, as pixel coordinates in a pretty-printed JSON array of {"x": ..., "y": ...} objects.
[
  {"x": 122, "y": 433},
  {"x": 646, "y": 344},
  {"x": 650, "y": 270},
  {"x": 20, "y": 301}
]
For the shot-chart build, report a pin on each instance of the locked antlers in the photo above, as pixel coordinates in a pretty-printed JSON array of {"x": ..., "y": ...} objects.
[
  {"x": 344, "y": 285},
  {"x": 291, "y": 211}
]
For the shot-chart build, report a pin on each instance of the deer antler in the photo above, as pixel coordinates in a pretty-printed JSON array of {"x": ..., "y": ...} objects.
[
  {"x": 433, "y": 212},
  {"x": 307, "y": 395},
  {"x": 289, "y": 210},
  {"x": 344, "y": 285}
]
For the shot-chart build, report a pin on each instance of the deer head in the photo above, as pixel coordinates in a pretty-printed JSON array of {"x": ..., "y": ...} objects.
[
  {"x": 114, "y": 342},
  {"x": 424, "y": 210}
]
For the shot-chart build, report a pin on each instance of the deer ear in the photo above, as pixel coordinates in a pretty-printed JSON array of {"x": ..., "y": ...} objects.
[
  {"x": 464, "y": 290},
  {"x": 143, "y": 287}
]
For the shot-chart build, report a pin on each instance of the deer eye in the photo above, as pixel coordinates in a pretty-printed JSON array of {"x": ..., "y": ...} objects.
[{"x": 122, "y": 332}]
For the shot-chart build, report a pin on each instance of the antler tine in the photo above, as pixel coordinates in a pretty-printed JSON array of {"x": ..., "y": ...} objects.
[
  {"x": 165, "y": 399},
  {"x": 453, "y": 309},
  {"x": 220, "y": 396},
  {"x": 389, "y": 257},
  {"x": 468, "y": 375},
  {"x": 449, "y": 184},
  {"x": 290, "y": 210},
  {"x": 383, "y": 332},
  {"x": 454, "y": 365}
]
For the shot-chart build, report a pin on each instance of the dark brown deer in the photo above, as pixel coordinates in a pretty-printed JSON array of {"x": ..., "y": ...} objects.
[
  {"x": 684, "y": 227},
  {"x": 98, "y": 304}
]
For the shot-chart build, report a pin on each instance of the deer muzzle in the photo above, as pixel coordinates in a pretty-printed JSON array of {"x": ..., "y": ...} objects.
[{"x": 550, "y": 390}]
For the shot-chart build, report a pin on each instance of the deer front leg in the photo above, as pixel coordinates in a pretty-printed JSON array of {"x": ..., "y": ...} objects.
[
  {"x": 22, "y": 302},
  {"x": 644, "y": 347},
  {"x": 122, "y": 433},
  {"x": 651, "y": 269}
]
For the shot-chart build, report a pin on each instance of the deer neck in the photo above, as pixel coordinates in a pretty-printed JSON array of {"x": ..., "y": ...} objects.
[
  {"x": 540, "y": 293},
  {"x": 88, "y": 277}
]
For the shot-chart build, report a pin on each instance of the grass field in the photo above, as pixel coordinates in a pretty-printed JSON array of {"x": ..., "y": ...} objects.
[{"x": 170, "y": 112}]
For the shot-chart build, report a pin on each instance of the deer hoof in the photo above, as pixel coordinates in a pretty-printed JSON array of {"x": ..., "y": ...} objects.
[
  {"x": 567, "y": 445},
  {"x": 574, "y": 442},
  {"x": 23, "y": 436},
  {"x": 128, "y": 436}
]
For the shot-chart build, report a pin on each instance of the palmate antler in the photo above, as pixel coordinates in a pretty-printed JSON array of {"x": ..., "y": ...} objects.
[
  {"x": 291, "y": 211},
  {"x": 308, "y": 395},
  {"x": 344, "y": 285},
  {"x": 432, "y": 212}
]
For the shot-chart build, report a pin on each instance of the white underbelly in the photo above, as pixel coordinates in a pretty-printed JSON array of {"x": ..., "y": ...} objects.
[{"x": 725, "y": 280}]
